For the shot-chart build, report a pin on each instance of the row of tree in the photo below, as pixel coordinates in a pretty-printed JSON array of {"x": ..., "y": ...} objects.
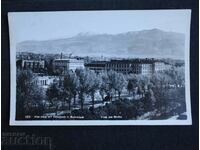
[
  {"x": 75, "y": 86},
  {"x": 111, "y": 84},
  {"x": 86, "y": 82}
]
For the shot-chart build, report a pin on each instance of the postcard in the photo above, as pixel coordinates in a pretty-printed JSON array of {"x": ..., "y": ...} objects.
[{"x": 123, "y": 67}]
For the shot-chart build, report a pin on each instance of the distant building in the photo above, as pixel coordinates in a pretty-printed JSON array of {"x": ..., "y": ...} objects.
[
  {"x": 122, "y": 66},
  {"x": 67, "y": 64},
  {"x": 33, "y": 64},
  {"x": 160, "y": 66},
  {"x": 23, "y": 55},
  {"x": 97, "y": 65},
  {"x": 126, "y": 66},
  {"x": 46, "y": 81},
  {"x": 136, "y": 66},
  {"x": 147, "y": 68},
  {"x": 75, "y": 64}
]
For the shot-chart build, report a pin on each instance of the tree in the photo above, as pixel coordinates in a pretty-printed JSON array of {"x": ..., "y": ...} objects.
[
  {"x": 67, "y": 89},
  {"x": 133, "y": 80},
  {"x": 65, "y": 96},
  {"x": 29, "y": 95},
  {"x": 181, "y": 76},
  {"x": 116, "y": 82},
  {"x": 159, "y": 90},
  {"x": 75, "y": 85},
  {"x": 129, "y": 86},
  {"x": 104, "y": 85},
  {"x": 149, "y": 100},
  {"x": 59, "y": 71},
  {"x": 93, "y": 86},
  {"x": 49, "y": 66},
  {"x": 177, "y": 76},
  {"x": 143, "y": 82},
  {"x": 84, "y": 82},
  {"x": 120, "y": 84},
  {"x": 112, "y": 81},
  {"x": 70, "y": 84},
  {"x": 52, "y": 92}
]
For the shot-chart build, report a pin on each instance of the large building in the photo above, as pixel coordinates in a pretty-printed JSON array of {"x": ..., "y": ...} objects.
[
  {"x": 136, "y": 66},
  {"x": 126, "y": 66},
  {"x": 34, "y": 65},
  {"x": 64, "y": 65},
  {"x": 119, "y": 66},
  {"x": 160, "y": 66},
  {"x": 97, "y": 66}
]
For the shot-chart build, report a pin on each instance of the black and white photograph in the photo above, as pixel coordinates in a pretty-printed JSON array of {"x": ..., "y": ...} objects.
[{"x": 100, "y": 67}]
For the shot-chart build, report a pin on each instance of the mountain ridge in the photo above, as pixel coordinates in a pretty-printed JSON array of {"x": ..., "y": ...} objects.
[{"x": 153, "y": 42}]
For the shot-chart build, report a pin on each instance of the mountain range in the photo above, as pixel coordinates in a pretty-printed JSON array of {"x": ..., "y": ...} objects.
[{"x": 145, "y": 43}]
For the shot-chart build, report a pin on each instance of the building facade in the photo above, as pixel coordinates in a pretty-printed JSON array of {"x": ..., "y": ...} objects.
[
  {"x": 136, "y": 66},
  {"x": 160, "y": 66},
  {"x": 64, "y": 65},
  {"x": 126, "y": 66},
  {"x": 147, "y": 68},
  {"x": 119, "y": 66},
  {"x": 97, "y": 66},
  {"x": 46, "y": 81},
  {"x": 75, "y": 64},
  {"x": 33, "y": 64}
]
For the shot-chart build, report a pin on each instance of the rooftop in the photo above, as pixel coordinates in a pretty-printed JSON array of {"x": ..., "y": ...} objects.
[
  {"x": 69, "y": 59},
  {"x": 137, "y": 60},
  {"x": 98, "y": 62}
]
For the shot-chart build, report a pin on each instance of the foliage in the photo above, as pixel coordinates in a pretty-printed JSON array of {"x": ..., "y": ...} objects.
[
  {"x": 150, "y": 91},
  {"x": 70, "y": 86},
  {"x": 52, "y": 92},
  {"x": 93, "y": 86},
  {"x": 130, "y": 86},
  {"x": 104, "y": 88},
  {"x": 29, "y": 95},
  {"x": 116, "y": 82},
  {"x": 84, "y": 84}
]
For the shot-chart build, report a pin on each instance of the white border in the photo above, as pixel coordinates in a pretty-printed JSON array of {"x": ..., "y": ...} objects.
[{"x": 13, "y": 122}]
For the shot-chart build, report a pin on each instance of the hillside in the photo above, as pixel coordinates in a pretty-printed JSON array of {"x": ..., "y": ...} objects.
[{"x": 145, "y": 43}]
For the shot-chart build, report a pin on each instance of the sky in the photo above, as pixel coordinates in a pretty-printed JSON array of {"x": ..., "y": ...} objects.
[{"x": 25, "y": 26}]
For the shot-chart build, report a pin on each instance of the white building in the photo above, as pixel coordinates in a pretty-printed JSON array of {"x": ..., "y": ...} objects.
[
  {"x": 75, "y": 64},
  {"x": 67, "y": 64},
  {"x": 160, "y": 66},
  {"x": 46, "y": 81},
  {"x": 146, "y": 69}
]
